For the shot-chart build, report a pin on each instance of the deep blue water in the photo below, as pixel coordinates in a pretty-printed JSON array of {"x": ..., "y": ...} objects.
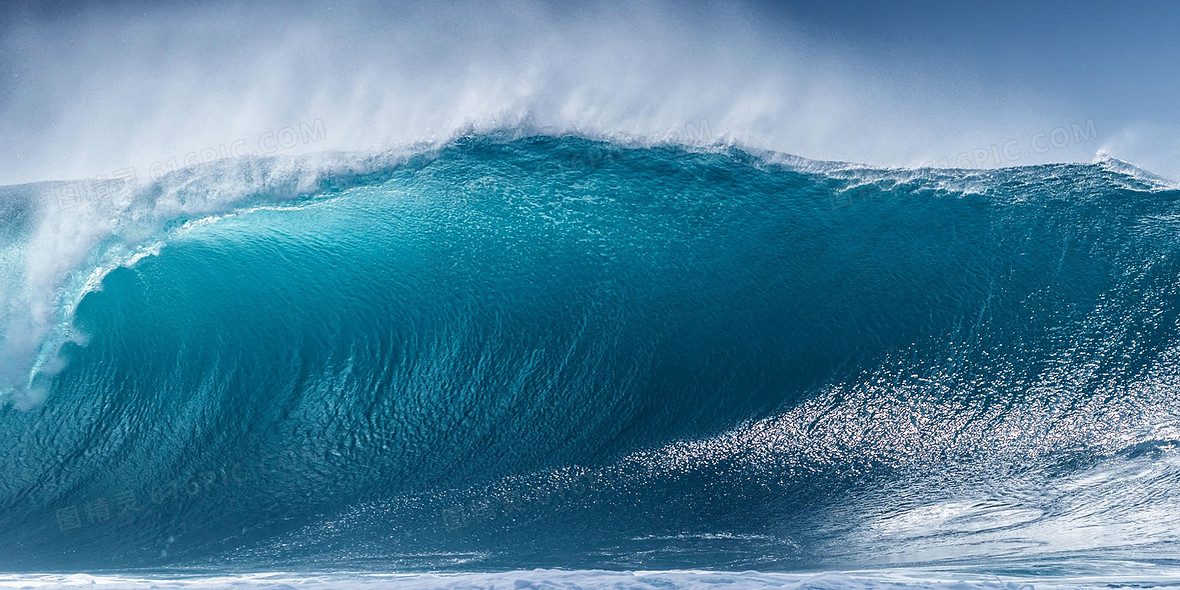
[{"x": 557, "y": 352}]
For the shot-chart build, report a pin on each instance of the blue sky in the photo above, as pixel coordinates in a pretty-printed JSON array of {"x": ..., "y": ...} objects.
[
  {"x": 1112, "y": 62},
  {"x": 88, "y": 89},
  {"x": 1116, "y": 59}
]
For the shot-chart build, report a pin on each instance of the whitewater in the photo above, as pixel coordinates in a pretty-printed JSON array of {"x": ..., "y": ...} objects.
[{"x": 520, "y": 358}]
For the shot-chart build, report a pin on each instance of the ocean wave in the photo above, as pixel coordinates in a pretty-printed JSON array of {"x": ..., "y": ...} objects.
[{"x": 520, "y": 350}]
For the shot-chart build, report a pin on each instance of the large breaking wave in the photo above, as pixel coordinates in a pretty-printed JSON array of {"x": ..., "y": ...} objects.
[{"x": 516, "y": 352}]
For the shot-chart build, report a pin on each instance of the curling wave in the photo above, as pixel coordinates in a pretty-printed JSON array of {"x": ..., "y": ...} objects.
[{"x": 557, "y": 352}]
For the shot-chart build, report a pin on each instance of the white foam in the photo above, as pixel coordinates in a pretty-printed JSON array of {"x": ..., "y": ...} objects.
[{"x": 1120, "y": 574}]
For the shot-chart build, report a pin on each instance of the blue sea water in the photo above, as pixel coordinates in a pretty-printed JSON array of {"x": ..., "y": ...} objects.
[{"x": 508, "y": 353}]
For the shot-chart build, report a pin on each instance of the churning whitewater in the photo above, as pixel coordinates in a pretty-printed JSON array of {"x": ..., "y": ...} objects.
[{"x": 534, "y": 351}]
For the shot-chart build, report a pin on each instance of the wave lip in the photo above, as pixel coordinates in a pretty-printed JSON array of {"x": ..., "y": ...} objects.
[
  {"x": 63, "y": 237},
  {"x": 1113, "y": 164}
]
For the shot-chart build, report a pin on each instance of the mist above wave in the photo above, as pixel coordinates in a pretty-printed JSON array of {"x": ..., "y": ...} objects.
[{"x": 143, "y": 88}]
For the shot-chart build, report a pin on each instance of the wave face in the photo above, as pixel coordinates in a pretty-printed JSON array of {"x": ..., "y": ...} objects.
[{"x": 558, "y": 352}]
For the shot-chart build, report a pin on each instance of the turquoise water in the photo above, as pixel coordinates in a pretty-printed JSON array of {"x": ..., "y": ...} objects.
[{"x": 554, "y": 352}]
